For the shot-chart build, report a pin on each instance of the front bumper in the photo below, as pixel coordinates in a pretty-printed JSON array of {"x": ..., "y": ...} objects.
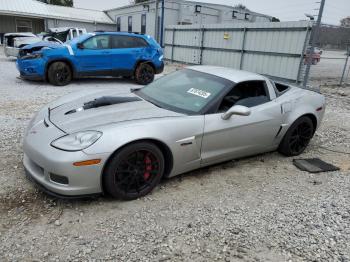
[
  {"x": 44, "y": 164},
  {"x": 51, "y": 193},
  {"x": 160, "y": 68},
  {"x": 31, "y": 69}
]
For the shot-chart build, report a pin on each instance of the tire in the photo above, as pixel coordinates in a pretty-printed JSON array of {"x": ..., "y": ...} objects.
[
  {"x": 144, "y": 74},
  {"x": 297, "y": 137},
  {"x": 141, "y": 167},
  {"x": 59, "y": 74}
]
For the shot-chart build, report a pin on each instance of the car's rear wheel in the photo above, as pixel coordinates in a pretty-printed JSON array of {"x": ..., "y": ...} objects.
[
  {"x": 134, "y": 171},
  {"x": 59, "y": 74},
  {"x": 144, "y": 74},
  {"x": 297, "y": 137}
]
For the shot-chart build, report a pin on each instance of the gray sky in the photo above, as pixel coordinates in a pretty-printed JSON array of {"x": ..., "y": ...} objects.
[{"x": 286, "y": 10}]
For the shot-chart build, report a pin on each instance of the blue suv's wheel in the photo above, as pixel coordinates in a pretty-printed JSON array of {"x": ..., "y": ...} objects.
[
  {"x": 144, "y": 74},
  {"x": 59, "y": 74}
]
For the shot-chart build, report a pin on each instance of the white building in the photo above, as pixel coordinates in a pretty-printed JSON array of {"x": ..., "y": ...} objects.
[
  {"x": 141, "y": 17},
  {"x": 34, "y": 16}
]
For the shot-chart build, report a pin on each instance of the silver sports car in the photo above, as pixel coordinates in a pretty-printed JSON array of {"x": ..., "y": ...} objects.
[{"x": 122, "y": 144}]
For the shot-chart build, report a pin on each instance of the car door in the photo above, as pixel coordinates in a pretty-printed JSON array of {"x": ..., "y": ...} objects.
[
  {"x": 241, "y": 136},
  {"x": 126, "y": 51},
  {"x": 93, "y": 56}
]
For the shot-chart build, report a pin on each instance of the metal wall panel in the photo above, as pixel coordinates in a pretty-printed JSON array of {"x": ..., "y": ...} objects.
[
  {"x": 186, "y": 55},
  {"x": 274, "y": 49},
  {"x": 220, "y": 58}
]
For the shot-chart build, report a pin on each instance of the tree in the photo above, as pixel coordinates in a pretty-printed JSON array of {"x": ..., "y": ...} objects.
[
  {"x": 58, "y": 2},
  {"x": 345, "y": 22},
  {"x": 275, "y": 19},
  {"x": 140, "y": 1},
  {"x": 241, "y": 6}
]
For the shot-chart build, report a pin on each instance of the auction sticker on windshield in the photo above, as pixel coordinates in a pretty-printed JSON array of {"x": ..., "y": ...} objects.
[{"x": 198, "y": 92}]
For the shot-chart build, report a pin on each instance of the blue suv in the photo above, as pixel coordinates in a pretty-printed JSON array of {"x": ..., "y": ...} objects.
[{"x": 98, "y": 54}]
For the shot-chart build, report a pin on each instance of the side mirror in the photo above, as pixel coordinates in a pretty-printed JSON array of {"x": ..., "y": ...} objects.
[
  {"x": 80, "y": 45},
  {"x": 236, "y": 110}
]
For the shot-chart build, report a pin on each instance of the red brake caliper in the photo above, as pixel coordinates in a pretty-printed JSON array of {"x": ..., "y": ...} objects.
[{"x": 148, "y": 168}]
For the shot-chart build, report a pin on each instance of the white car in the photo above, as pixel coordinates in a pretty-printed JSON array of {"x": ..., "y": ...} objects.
[{"x": 15, "y": 41}]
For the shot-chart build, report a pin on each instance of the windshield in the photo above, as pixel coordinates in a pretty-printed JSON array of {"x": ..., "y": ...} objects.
[
  {"x": 62, "y": 36},
  {"x": 185, "y": 91}
]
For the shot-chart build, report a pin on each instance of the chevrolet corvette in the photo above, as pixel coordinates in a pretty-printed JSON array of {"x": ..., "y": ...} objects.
[{"x": 123, "y": 143}]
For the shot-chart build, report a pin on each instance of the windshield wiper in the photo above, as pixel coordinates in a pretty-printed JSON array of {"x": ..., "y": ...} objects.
[{"x": 153, "y": 103}]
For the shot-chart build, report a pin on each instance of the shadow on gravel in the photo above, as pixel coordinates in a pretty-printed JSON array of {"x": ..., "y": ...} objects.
[
  {"x": 103, "y": 80},
  {"x": 27, "y": 205},
  {"x": 207, "y": 171},
  {"x": 82, "y": 81}
]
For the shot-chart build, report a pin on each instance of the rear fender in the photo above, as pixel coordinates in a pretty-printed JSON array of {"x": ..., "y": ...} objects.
[{"x": 305, "y": 105}]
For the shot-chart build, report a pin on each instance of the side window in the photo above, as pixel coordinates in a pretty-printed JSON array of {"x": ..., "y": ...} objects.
[
  {"x": 249, "y": 94},
  {"x": 97, "y": 42},
  {"x": 139, "y": 42},
  {"x": 143, "y": 24},
  {"x": 129, "y": 23},
  {"x": 75, "y": 33},
  {"x": 118, "y": 24},
  {"x": 121, "y": 41}
]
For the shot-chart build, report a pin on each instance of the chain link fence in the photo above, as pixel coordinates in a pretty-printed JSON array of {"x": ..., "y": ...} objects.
[{"x": 334, "y": 66}]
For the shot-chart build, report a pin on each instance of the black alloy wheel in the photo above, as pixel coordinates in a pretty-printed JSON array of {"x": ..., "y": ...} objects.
[
  {"x": 297, "y": 137},
  {"x": 144, "y": 74},
  {"x": 134, "y": 171},
  {"x": 59, "y": 74}
]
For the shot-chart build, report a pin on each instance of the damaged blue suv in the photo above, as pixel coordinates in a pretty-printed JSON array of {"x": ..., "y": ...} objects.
[{"x": 98, "y": 54}]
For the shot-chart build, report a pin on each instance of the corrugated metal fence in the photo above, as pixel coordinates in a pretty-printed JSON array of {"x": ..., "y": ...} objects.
[{"x": 273, "y": 49}]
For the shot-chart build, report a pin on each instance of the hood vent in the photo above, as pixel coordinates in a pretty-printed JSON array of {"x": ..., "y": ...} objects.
[{"x": 104, "y": 101}]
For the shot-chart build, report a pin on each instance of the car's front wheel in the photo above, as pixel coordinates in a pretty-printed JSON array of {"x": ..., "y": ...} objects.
[
  {"x": 297, "y": 137},
  {"x": 144, "y": 74},
  {"x": 134, "y": 171},
  {"x": 59, "y": 74}
]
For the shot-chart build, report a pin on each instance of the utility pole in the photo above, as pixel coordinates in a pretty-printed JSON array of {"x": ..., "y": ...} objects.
[
  {"x": 156, "y": 34},
  {"x": 314, "y": 35},
  {"x": 162, "y": 26}
]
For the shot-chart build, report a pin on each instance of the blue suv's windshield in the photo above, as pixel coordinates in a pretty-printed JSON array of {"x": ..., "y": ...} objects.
[{"x": 79, "y": 39}]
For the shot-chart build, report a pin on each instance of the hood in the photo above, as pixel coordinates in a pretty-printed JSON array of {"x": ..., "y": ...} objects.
[
  {"x": 39, "y": 45},
  {"x": 109, "y": 107}
]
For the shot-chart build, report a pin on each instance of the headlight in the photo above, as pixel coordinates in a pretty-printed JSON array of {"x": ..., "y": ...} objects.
[
  {"x": 77, "y": 141},
  {"x": 33, "y": 56},
  {"x": 30, "y": 125}
]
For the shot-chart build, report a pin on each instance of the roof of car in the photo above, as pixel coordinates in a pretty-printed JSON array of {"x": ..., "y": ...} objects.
[
  {"x": 228, "y": 73},
  {"x": 19, "y": 34},
  {"x": 121, "y": 33}
]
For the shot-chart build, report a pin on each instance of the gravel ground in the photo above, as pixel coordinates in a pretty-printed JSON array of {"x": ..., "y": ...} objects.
[{"x": 256, "y": 209}]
